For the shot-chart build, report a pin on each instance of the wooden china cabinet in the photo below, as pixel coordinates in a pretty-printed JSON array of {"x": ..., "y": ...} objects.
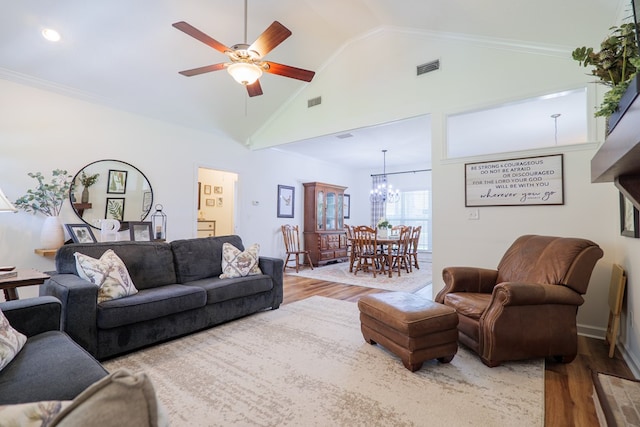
[{"x": 324, "y": 234}]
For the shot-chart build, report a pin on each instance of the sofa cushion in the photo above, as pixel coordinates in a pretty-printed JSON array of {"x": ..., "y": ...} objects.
[
  {"x": 201, "y": 258},
  {"x": 149, "y": 304},
  {"x": 120, "y": 399},
  {"x": 150, "y": 264},
  {"x": 51, "y": 366},
  {"x": 11, "y": 341},
  {"x": 108, "y": 273},
  {"x": 237, "y": 263},
  {"x": 219, "y": 290}
]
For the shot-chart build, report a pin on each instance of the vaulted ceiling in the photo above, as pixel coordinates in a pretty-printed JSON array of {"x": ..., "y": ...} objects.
[{"x": 127, "y": 55}]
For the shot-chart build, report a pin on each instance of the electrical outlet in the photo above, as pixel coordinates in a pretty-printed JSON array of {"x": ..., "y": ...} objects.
[{"x": 473, "y": 214}]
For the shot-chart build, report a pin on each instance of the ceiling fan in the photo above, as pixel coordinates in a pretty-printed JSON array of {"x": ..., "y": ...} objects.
[{"x": 246, "y": 61}]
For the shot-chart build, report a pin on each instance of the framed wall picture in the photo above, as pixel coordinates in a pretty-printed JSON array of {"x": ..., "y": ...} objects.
[
  {"x": 114, "y": 208},
  {"x": 207, "y": 189},
  {"x": 346, "y": 210},
  {"x": 219, "y": 202},
  {"x": 515, "y": 182},
  {"x": 217, "y": 189},
  {"x": 211, "y": 202},
  {"x": 140, "y": 231},
  {"x": 285, "y": 201},
  {"x": 117, "y": 183},
  {"x": 80, "y": 233},
  {"x": 147, "y": 199},
  {"x": 628, "y": 218}
]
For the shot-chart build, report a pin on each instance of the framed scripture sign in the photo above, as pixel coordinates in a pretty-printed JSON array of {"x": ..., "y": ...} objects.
[{"x": 515, "y": 182}]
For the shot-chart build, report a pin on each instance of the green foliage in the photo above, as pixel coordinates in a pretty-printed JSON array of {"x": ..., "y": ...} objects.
[
  {"x": 88, "y": 180},
  {"x": 115, "y": 209},
  {"x": 46, "y": 198},
  {"x": 383, "y": 223},
  {"x": 615, "y": 64}
]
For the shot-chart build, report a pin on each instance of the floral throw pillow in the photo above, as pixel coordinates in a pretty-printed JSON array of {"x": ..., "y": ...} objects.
[
  {"x": 11, "y": 341},
  {"x": 108, "y": 273},
  {"x": 236, "y": 263},
  {"x": 32, "y": 414}
]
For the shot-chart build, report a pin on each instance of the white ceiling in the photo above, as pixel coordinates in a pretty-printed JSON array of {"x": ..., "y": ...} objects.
[{"x": 126, "y": 54}]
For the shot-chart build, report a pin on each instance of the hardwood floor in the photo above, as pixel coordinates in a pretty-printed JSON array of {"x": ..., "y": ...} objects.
[{"x": 568, "y": 387}]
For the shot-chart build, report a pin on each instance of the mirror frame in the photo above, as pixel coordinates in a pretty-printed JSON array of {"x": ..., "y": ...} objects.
[{"x": 124, "y": 225}]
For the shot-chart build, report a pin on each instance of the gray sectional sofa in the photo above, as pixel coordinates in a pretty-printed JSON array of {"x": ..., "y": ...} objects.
[
  {"x": 179, "y": 293},
  {"x": 50, "y": 366}
]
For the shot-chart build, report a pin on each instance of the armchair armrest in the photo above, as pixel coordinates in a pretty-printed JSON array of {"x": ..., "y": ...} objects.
[
  {"x": 467, "y": 279},
  {"x": 274, "y": 267},
  {"x": 79, "y": 299},
  {"x": 512, "y": 294},
  {"x": 33, "y": 316}
]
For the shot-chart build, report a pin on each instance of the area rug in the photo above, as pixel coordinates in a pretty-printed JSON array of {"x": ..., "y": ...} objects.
[
  {"x": 306, "y": 364},
  {"x": 617, "y": 400},
  {"x": 339, "y": 273}
]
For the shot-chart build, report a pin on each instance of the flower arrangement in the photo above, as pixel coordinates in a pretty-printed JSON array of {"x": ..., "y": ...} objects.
[
  {"x": 88, "y": 180},
  {"x": 383, "y": 223},
  {"x": 46, "y": 198},
  {"x": 615, "y": 65}
]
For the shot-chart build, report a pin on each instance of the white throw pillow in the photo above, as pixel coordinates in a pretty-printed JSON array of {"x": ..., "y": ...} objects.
[
  {"x": 236, "y": 263},
  {"x": 108, "y": 273},
  {"x": 11, "y": 341}
]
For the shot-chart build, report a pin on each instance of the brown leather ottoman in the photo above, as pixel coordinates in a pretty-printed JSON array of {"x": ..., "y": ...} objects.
[{"x": 413, "y": 328}]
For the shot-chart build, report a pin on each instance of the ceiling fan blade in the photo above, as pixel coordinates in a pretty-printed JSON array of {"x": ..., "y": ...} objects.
[
  {"x": 202, "y": 70},
  {"x": 199, "y": 35},
  {"x": 254, "y": 89},
  {"x": 270, "y": 38},
  {"x": 288, "y": 71}
]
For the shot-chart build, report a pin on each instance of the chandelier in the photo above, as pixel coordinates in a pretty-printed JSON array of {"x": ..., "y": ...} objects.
[{"x": 384, "y": 193}]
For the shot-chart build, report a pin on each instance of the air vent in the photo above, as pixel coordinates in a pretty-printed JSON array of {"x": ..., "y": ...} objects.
[
  {"x": 428, "y": 67},
  {"x": 344, "y": 135},
  {"x": 314, "y": 101}
]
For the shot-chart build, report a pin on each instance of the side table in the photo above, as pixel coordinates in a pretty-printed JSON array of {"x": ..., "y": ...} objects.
[{"x": 25, "y": 277}]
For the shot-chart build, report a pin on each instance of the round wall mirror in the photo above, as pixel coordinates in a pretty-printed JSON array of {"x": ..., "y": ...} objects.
[{"x": 110, "y": 189}]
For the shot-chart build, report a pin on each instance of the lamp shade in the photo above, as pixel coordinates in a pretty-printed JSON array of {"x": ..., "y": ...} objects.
[
  {"x": 244, "y": 73},
  {"x": 5, "y": 204}
]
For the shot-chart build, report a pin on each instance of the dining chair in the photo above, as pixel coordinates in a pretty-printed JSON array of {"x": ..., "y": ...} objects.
[
  {"x": 350, "y": 246},
  {"x": 291, "y": 238},
  {"x": 366, "y": 250},
  {"x": 413, "y": 247},
  {"x": 400, "y": 253}
]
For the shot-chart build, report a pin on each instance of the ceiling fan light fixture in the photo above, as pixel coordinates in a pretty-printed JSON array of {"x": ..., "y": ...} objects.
[{"x": 244, "y": 73}]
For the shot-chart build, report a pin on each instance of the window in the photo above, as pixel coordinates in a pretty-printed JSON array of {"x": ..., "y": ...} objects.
[
  {"x": 413, "y": 209},
  {"x": 545, "y": 121}
]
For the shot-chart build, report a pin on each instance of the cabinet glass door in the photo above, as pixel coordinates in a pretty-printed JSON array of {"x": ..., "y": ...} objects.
[
  {"x": 320, "y": 211},
  {"x": 340, "y": 211},
  {"x": 331, "y": 211}
]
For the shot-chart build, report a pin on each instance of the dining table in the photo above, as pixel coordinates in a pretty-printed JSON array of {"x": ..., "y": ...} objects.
[{"x": 386, "y": 245}]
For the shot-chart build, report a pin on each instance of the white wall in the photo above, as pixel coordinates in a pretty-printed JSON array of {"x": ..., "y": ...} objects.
[{"x": 42, "y": 131}]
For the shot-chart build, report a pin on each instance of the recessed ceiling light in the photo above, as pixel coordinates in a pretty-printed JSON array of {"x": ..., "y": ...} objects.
[{"x": 51, "y": 35}]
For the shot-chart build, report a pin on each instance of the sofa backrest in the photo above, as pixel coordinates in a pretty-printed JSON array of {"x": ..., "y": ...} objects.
[
  {"x": 150, "y": 264},
  {"x": 548, "y": 259},
  {"x": 200, "y": 258}
]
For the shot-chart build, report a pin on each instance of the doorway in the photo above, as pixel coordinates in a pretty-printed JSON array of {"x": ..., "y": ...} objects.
[{"x": 216, "y": 202}]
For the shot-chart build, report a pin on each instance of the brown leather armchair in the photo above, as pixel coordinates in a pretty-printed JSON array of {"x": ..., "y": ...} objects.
[{"x": 527, "y": 307}]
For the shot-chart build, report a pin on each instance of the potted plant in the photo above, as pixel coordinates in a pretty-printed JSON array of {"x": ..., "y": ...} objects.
[
  {"x": 383, "y": 226},
  {"x": 47, "y": 198},
  {"x": 87, "y": 181},
  {"x": 615, "y": 65}
]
